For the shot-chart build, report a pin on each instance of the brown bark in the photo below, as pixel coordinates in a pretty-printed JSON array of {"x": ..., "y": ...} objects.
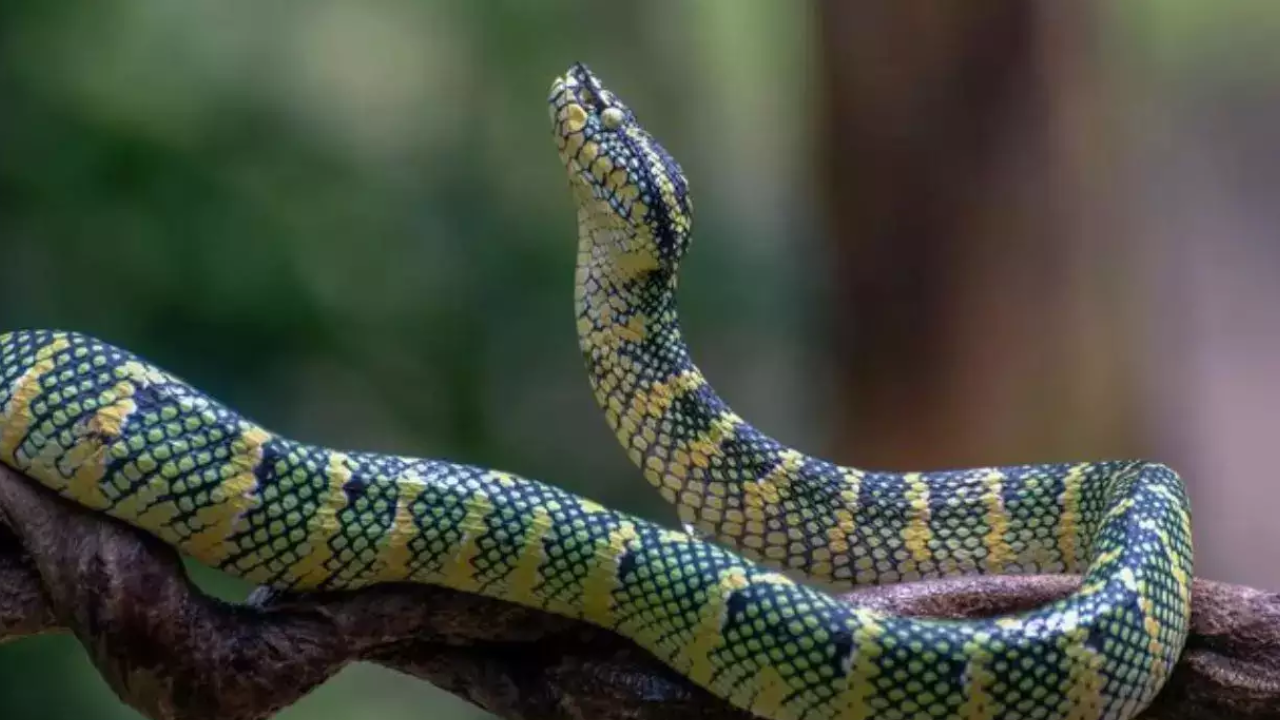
[
  {"x": 968, "y": 175},
  {"x": 174, "y": 654}
]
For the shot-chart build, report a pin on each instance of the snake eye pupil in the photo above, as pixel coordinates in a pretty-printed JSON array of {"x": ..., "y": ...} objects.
[{"x": 612, "y": 118}]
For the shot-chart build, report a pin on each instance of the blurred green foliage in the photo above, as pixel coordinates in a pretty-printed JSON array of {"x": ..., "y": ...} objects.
[{"x": 348, "y": 221}]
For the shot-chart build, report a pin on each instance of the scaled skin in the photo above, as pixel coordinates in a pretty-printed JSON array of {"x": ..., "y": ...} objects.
[
  {"x": 840, "y": 526},
  {"x": 118, "y": 435}
]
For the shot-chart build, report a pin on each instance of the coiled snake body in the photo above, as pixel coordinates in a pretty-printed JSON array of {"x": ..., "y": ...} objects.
[{"x": 115, "y": 434}]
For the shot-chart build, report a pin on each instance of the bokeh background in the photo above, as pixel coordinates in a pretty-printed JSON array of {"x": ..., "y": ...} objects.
[{"x": 927, "y": 236}]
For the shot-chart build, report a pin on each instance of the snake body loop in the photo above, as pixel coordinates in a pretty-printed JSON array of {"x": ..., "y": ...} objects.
[
  {"x": 106, "y": 429},
  {"x": 1103, "y": 652}
]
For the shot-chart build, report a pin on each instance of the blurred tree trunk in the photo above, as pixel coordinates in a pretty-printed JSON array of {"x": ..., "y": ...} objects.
[{"x": 965, "y": 162}]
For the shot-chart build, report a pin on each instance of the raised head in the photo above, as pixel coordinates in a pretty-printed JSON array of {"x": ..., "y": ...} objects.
[{"x": 632, "y": 195}]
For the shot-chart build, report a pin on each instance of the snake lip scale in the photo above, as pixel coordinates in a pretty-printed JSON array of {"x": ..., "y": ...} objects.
[{"x": 751, "y": 622}]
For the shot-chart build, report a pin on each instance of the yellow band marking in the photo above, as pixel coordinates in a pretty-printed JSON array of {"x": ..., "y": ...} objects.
[
  {"x": 916, "y": 535},
  {"x": 631, "y": 265},
  {"x": 680, "y": 474},
  {"x": 157, "y": 517},
  {"x": 708, "y": 634},
  {"x": 312, "y": 569},
  {"x": 978, "y": 680},
  {"x": 1084, "y": 678},
  {"x": 17, "y": 412},
  {"x": 655, "y": 400},
  {"x": 1176, "y": 560},
  {"x": 396, "y": 555},
  {"x": 771, "y": 690},
  {"x": 89, "y": 456},
  {"x": 527, "y": 574},
  {"x": 780, "y": 475},
  {"x": 702, "y": 448},
  {"x": 45, "y": 464},
  {"x": 1068, "y": 530},
  {"x": 999, "y": 553},
  {"x": 1119, "y": 508},
  {"x": 1154, "y": 645},
  {"x": 841, "y": 536},
  {"x": 219, "y": 519},
  {"x": 859, "y": 687},
  {"x": 136, "y": 505},
  {"x": 666, "y": 189},
  {"x": 602, "y": 579},
  {"x": 459, "y": 572},
  {"x": 143, "y": 373}
]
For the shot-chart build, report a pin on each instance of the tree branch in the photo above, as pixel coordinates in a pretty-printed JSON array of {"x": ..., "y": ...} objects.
[{"x": 173, "y": 653}]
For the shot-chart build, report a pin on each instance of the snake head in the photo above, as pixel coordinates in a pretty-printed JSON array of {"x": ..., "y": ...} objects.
[{"x": 632, "y": 195}]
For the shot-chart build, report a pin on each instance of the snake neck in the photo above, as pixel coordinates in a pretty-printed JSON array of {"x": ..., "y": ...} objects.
[
  {"x": 627, "y": 330},
  {"x": 659, "y": 405}
]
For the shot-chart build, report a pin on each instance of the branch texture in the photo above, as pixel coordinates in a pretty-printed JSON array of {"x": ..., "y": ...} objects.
[{"x": 175, "y": 654}]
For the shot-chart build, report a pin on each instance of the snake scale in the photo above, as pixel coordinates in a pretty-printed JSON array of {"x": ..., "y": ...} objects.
[{"x": 115, "y": 434}]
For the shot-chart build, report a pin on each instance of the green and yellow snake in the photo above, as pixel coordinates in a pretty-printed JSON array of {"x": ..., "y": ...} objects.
[{"x": 115, "y": 434}]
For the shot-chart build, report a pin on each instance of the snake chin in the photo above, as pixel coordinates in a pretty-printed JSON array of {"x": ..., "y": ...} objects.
[{"x": 633, "y": 196}]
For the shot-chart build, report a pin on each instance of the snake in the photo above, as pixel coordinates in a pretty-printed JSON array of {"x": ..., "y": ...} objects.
[
  {"x": 1102, "y": 652},
  {"x": 117, "y": 435}
]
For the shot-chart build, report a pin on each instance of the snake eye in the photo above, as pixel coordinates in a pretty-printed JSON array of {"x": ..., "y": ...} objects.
[{"x": 612, "y": 118}]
